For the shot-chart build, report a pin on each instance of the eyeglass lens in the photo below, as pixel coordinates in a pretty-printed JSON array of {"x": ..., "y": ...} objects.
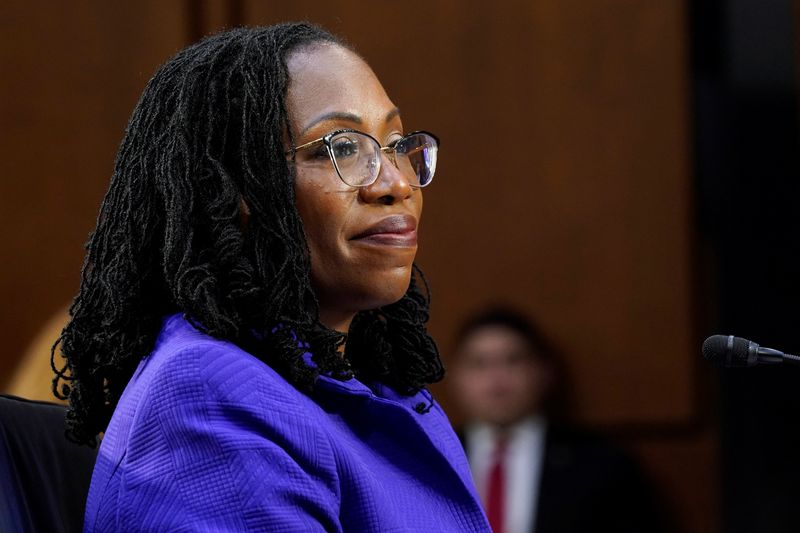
[{"x": 357, "y": 157}]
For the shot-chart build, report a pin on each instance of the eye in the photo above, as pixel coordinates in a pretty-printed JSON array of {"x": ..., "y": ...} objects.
[
  {"x": 320, "y": 152},
  {"x": 411, "y": 144},
  {"x": 344, "y": 147},
  {"x": 393, "y": 140}
]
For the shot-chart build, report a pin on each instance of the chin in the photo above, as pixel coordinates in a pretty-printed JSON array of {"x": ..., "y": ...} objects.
[
  {"x": 387, "y": 291},
  {"x": 501, "y": 417},
  {"x": 396, "y": 286},
  {"x": 386, "y": 298}
]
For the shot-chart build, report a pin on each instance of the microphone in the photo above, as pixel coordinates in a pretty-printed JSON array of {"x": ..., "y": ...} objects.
[{"x": 729, "y": 351}]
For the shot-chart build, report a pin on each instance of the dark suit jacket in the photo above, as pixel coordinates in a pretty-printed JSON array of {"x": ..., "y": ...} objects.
[
  {"x": 588, "y": 485},
  {"x": 44, "y": 478}
]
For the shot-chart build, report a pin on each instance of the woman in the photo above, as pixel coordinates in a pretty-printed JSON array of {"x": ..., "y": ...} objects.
[{"x": 248, "y": 333}]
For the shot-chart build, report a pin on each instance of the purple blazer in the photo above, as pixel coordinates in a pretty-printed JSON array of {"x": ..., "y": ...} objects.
[{"x": 208, "y": 438}]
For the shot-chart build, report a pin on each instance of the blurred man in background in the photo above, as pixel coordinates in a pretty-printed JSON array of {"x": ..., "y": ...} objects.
[{"x": 532, "y": 471}]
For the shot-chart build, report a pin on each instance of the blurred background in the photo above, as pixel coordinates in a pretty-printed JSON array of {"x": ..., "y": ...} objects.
[{"x": 626, "y": 171}]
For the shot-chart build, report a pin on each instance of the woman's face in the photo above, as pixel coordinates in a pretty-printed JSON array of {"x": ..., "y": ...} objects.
[{"x": 362, "y": 240}]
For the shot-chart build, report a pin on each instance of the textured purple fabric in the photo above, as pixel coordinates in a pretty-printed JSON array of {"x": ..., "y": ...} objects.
[{"x": 208, "y": 438}]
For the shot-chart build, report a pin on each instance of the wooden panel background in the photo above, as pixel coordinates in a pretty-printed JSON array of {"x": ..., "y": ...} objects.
[
  {"x": 72, "y": 72},
  {"x": 564, "y": 184}
]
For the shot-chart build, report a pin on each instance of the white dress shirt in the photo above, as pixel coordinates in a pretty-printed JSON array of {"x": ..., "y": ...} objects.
[{"x": 523, "y": 468}]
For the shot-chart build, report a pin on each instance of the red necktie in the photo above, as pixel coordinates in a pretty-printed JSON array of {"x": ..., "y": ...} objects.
[{"x": 495, "y": 497}]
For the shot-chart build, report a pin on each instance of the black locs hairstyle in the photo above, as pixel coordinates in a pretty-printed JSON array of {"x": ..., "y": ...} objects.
[{"x": 200, "y": 218}]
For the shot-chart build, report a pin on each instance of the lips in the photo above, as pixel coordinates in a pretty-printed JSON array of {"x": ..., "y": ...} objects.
[{"x": 396, "y": 230}]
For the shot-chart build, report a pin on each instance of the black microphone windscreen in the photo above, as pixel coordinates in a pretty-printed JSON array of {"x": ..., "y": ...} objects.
[{"x": 727, "y": 351}]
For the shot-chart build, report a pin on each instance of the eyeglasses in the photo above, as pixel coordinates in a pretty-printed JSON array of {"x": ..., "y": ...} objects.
[{"x": 356, "y": 156}]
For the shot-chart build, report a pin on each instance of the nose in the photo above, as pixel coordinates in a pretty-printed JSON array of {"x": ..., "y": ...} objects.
[{"x": 390, "y": 187}]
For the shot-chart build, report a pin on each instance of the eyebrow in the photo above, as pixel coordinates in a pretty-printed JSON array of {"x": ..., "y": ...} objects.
[{"x": 350, "y": 117}]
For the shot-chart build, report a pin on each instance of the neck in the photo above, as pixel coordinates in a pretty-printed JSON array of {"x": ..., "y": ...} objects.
[
  {"x": 505, "y": 426},
  {"x": 336, "y": 321}
]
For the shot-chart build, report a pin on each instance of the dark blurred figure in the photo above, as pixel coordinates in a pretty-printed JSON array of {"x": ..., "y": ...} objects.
[{"x": 533, "y": 471}]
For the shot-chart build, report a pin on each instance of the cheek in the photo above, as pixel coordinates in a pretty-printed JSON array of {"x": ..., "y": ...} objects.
[
  {"x": 468, "y": 388},
  {"x": 323, "y": 213},
  {"x": 475, "y": 384}
]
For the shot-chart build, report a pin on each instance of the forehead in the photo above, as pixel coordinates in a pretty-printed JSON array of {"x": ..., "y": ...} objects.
[
  {"x": 329, "y": 78},
  {"x": 492, "y": 340}
]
